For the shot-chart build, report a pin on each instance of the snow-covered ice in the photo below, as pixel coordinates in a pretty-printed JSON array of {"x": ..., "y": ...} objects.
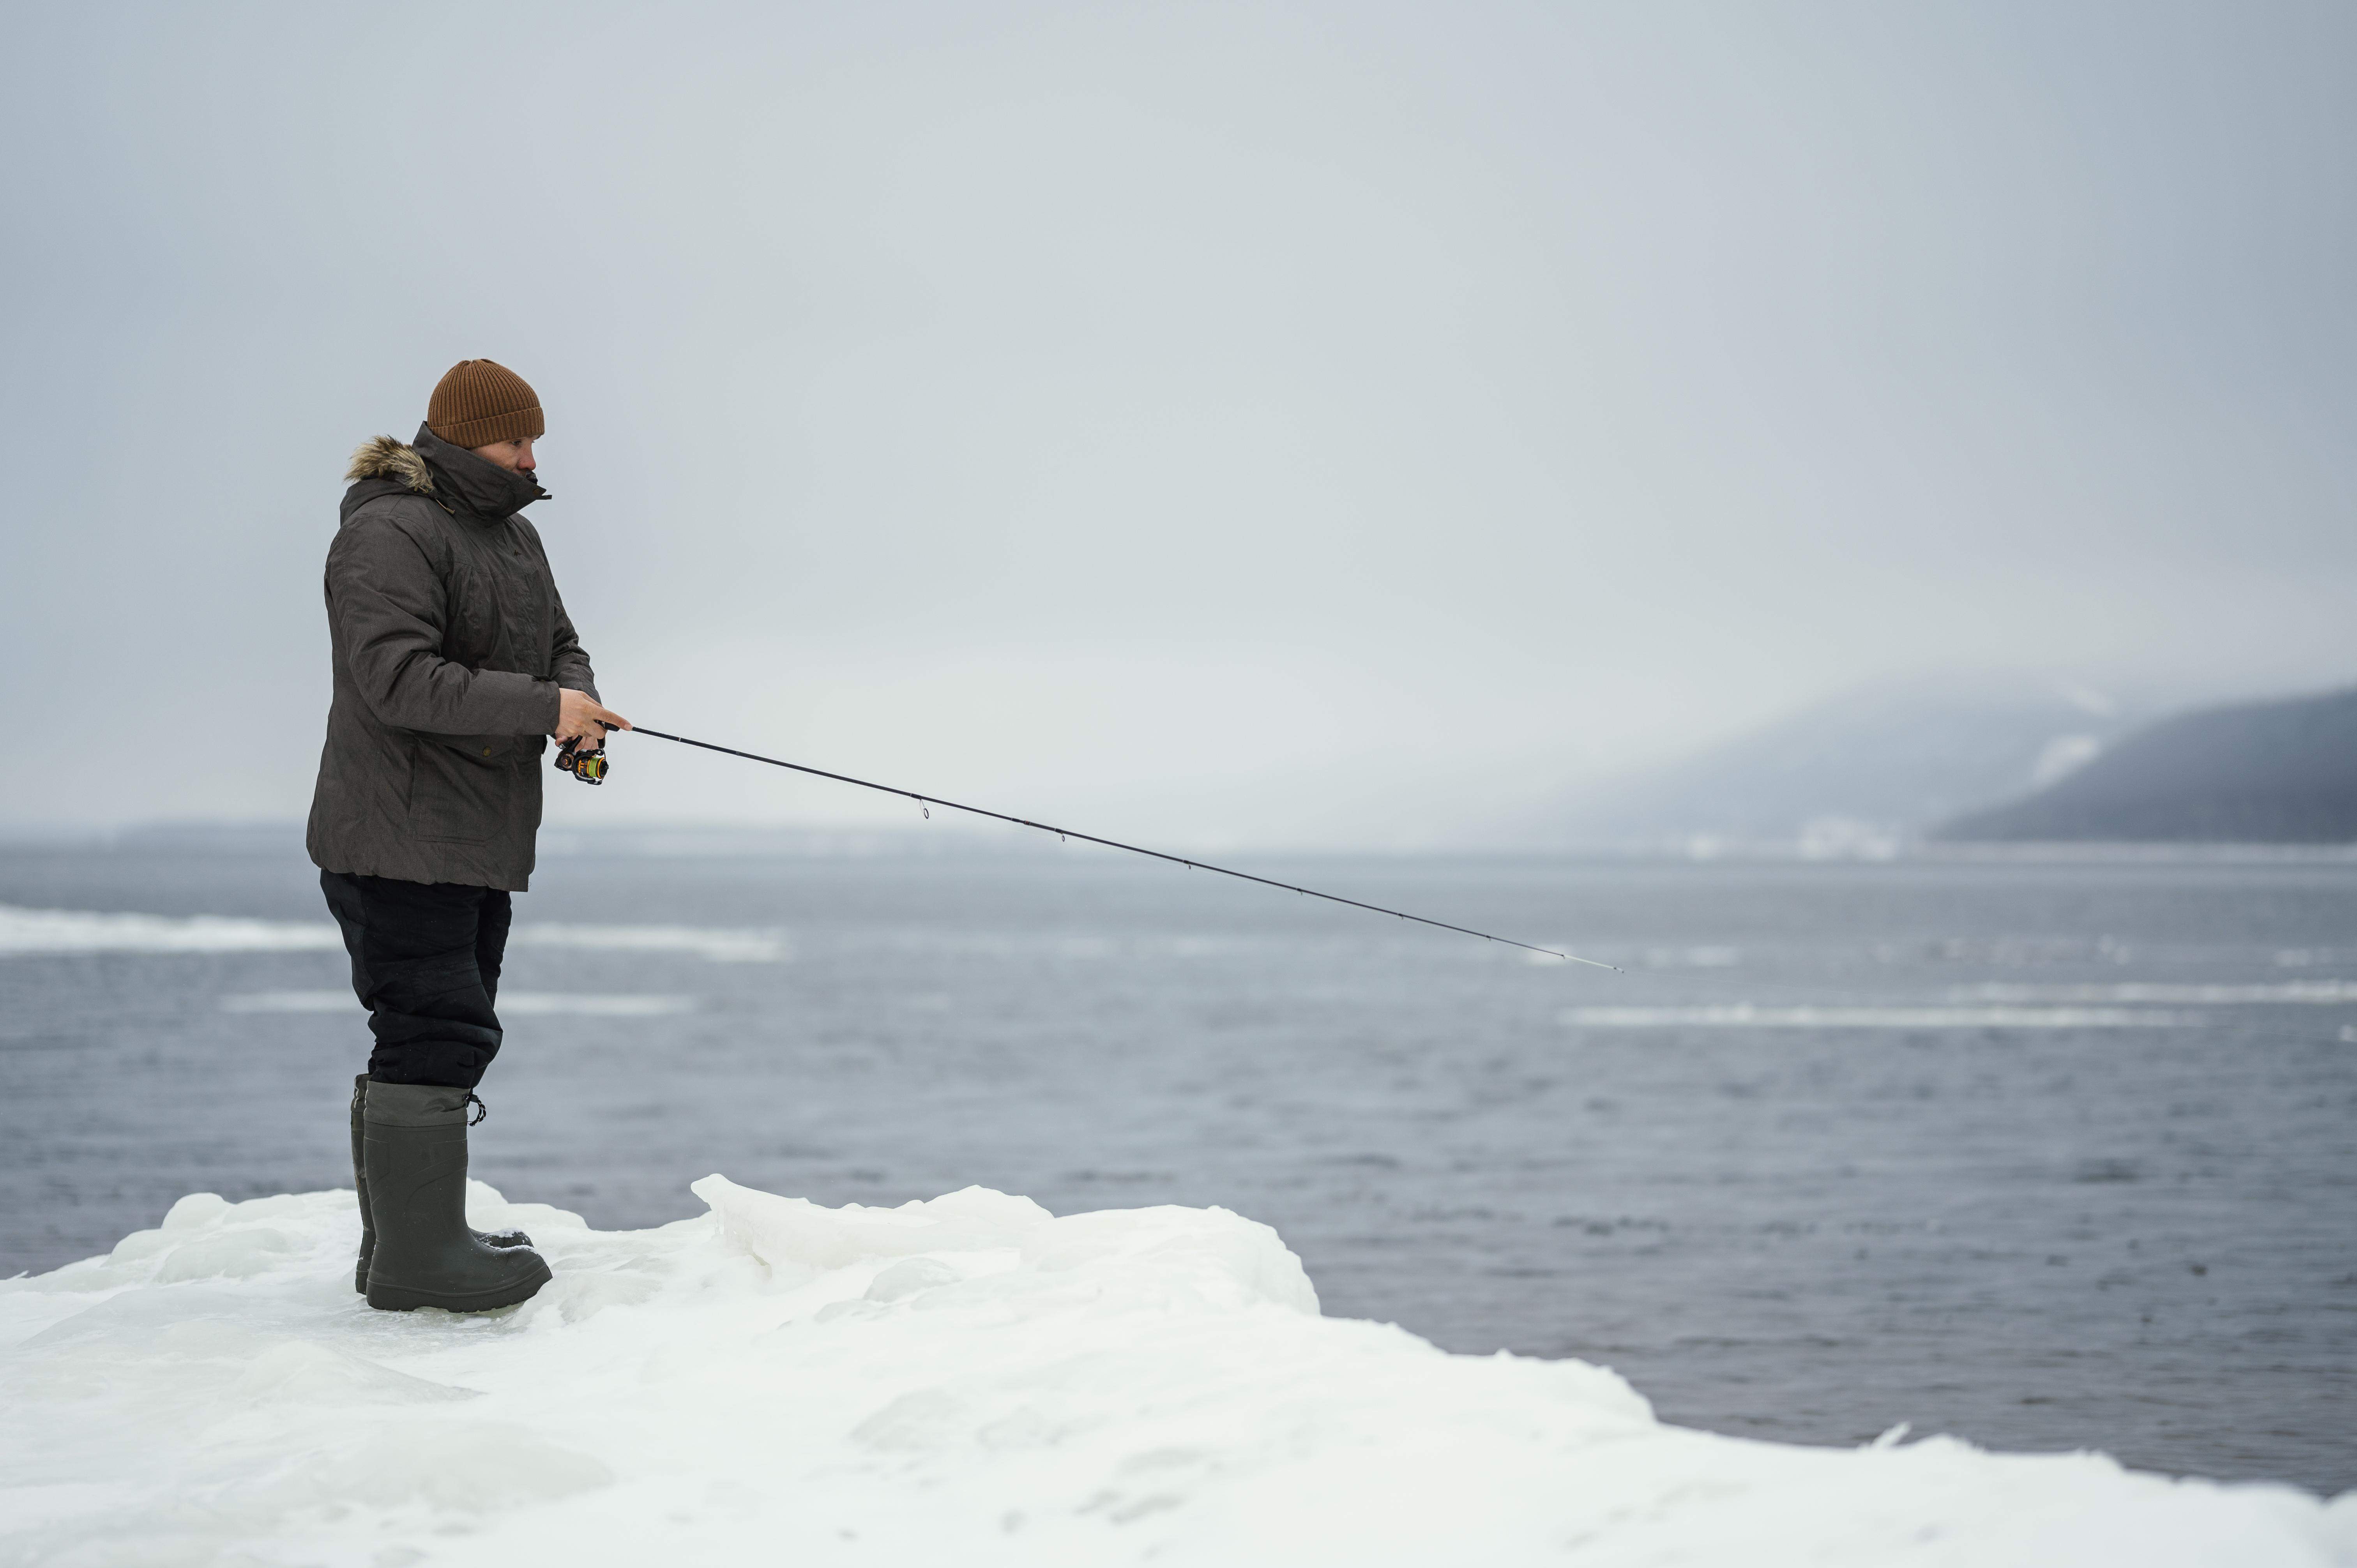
[{"x": 964, "y": 1380}]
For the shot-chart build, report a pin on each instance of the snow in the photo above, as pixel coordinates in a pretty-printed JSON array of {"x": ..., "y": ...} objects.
[{"x": 969, "y": 1380}]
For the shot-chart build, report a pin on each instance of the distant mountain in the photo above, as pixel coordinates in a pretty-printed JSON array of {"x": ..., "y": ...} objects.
[
  {"x": 1857, "y": 774},
  {"x": 2280, "y": 772}
]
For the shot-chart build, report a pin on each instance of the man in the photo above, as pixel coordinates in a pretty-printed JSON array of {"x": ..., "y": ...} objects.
[{"x": 454, "y": 661}]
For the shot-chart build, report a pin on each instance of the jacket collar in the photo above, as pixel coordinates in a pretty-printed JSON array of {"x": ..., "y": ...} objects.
[{"x": 472, "y": 484}]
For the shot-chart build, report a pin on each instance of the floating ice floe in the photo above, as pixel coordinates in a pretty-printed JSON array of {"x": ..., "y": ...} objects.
[{"x": 965, "y": 1381}]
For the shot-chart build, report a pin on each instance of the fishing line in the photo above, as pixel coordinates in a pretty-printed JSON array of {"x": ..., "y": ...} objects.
[{"x": 929, "y": 801}]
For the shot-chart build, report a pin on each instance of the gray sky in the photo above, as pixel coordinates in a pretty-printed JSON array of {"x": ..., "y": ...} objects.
[{"x": 1267, "y": 423}]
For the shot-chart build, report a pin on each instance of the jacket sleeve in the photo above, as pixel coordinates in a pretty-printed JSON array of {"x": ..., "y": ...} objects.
[
  {"x": 569, "y": 663},
  {"x": 387, "y": 609}
]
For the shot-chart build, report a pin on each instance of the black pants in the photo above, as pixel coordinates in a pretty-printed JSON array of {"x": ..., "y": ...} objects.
[{"x": 425, "y": 962}]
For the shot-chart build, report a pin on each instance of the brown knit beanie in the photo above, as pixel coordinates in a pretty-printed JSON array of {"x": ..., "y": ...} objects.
[{"x": 478, "y": 402}]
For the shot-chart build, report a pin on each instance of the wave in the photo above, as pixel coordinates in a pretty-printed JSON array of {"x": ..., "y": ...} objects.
[
  {"x": 1745, "y": 1015},
  {"x": 77, "y": 930},
  {"x": 511, "y": 1003},
  {"x": 2313, "y": 992},
  {"x": 715, "y": 944},
  {"x": 25, "y": 932}
]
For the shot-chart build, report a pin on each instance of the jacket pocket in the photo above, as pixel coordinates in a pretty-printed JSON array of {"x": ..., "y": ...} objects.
[
  {"x": 455, "y": 797},
  {"x": 485, "y": 750}
]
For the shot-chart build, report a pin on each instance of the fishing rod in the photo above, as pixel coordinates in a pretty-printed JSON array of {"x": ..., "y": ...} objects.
[{"x": 589, "y": 767}]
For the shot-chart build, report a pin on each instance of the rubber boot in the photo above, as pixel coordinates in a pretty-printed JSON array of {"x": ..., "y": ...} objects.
[
  {"x": 414, "y": 1146},
  {"x": 359, "y": 1186}
]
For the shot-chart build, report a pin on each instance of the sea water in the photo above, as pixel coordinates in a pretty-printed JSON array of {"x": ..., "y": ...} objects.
[{"x": 2047, "y": 1155}]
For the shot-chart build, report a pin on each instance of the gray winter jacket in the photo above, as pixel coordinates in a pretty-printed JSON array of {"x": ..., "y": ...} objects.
[{"x": 449, "y": 646}]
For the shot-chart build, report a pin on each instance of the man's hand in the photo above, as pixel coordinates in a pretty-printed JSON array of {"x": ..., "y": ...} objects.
[{"x": 580, "y": 717}]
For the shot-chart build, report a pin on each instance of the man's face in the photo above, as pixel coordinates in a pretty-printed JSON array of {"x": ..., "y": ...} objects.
[{"x": 513, "y": 455}]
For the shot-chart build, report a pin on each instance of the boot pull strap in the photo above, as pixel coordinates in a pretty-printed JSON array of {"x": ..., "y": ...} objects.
[{"x": 481, "y": 1110}]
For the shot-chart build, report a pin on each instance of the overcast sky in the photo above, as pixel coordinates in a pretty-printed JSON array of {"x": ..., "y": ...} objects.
[{"x": 1269, "y": 423}]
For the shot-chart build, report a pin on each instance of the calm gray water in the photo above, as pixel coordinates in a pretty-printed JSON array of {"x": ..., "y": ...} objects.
[{"x": 2131, "y": 1232}]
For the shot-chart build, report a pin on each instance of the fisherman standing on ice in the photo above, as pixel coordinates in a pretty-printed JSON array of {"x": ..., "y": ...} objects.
[{"x": 454, "y": 662}]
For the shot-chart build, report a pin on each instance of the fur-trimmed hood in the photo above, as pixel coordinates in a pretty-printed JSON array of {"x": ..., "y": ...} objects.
[
  {"x": 383, "y": 457},
  {"x": 451, "y": 476}
]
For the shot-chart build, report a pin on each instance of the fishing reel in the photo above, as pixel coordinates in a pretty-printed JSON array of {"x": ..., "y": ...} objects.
[{"x": 589, "y": 767}]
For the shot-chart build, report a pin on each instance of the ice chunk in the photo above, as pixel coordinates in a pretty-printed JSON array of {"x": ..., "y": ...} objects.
[
  {"x": 795, "y": 1235},
  {"x": 909, "y": 1276},
  {"x": 309, "y": 1373}
]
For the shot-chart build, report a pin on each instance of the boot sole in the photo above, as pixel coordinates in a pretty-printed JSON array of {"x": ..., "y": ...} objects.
[{"x": 403, "y": 1298}]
